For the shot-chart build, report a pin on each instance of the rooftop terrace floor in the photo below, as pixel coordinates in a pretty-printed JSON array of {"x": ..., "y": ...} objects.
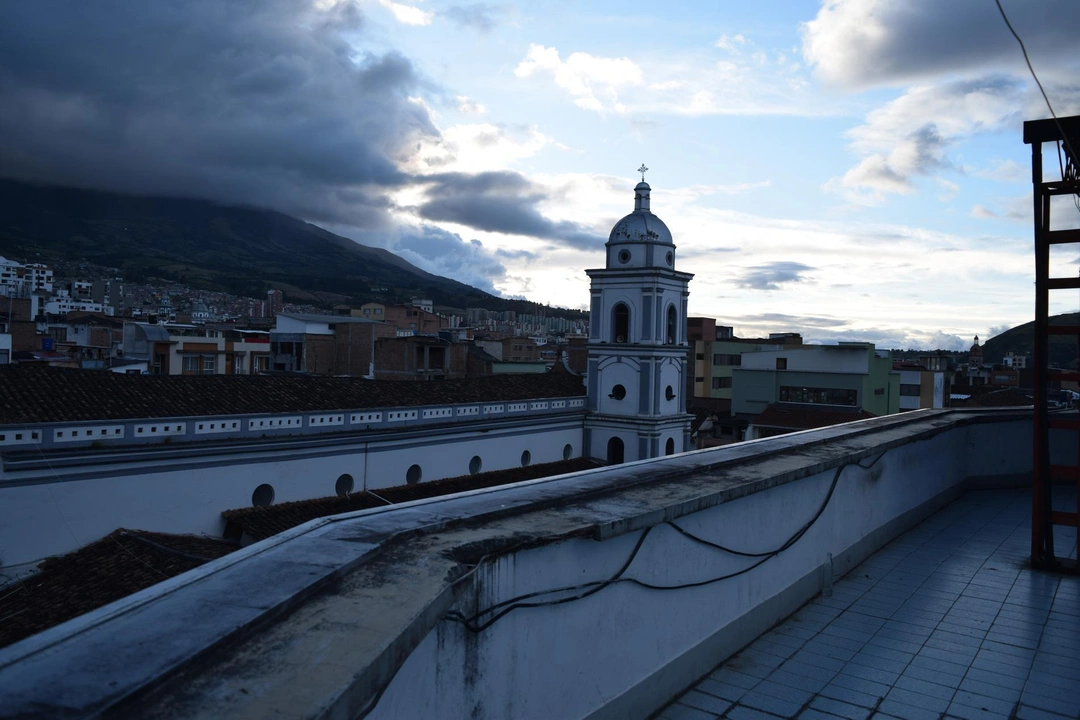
[{"x": 947, "y": 621}]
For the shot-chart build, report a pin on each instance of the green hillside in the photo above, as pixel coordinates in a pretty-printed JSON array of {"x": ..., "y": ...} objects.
[
  {"x": 244, "y": 251},
  {"x": 1021, "y": 340}
]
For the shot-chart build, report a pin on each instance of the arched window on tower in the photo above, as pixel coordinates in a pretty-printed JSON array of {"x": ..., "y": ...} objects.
[
  {"x": 614, "y": 451},
  {"x": 620, "y": 317},
  {"x": 671, "y": 336}
]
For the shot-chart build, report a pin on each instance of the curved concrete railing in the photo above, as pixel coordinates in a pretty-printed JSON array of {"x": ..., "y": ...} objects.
[{"x": 396, "y": 612}]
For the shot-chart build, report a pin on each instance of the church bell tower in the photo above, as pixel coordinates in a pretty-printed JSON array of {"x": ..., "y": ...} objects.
[{"x": 637, "y": 342}]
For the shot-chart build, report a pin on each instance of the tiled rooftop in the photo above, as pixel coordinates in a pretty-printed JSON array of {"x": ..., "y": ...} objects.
[
  {"x": 44, "y": 394},
  {"x": 947, "y": 621}
]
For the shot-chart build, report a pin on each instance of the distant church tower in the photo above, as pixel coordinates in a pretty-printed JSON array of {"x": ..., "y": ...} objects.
[{"x": 637, "y": 342}]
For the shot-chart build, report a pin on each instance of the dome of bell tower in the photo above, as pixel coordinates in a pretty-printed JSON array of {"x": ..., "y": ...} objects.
[{"x": 640, "y": 239}]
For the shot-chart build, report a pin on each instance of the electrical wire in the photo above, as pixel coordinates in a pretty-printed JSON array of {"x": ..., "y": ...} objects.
[
  {"x": 584, "y": 590},
  {"x": 1071, "y": 151}
]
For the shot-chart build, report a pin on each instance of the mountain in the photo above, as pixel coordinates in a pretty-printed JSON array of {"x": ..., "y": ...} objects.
[
  {"x": 240, "y": 250},
  {"x": 1021, "y": 340}
]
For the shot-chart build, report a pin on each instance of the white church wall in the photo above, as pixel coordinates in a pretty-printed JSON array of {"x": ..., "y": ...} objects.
[
  {"x": 625, "y": 374},
  {"x": 45, "y": 514}
]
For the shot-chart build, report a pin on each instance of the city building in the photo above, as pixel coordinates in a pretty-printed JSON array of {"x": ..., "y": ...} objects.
[
  {"x": 849, "y": 377},
  {"x": 921, "y": 387},
  {"x": 20, "y": 281},
  {"x": 326, "y": 344}
]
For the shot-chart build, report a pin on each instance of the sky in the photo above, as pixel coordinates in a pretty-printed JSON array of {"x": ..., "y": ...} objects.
[{"x": 848, "y": 169}]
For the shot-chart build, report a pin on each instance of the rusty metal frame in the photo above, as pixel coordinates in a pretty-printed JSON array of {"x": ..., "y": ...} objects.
[{"x": 1043, "y": 515}]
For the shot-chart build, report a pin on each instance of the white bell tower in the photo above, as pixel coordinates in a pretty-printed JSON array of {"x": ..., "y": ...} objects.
[{"x": 637, "y": 342}]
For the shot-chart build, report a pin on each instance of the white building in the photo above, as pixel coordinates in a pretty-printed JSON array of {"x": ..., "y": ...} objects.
[
  {"x": 637, "y": 343},
  {"x": 18, "y": 280}
]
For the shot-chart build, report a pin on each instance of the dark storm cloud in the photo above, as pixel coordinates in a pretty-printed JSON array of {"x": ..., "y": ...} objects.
[
  {"x": 502, "y": 202},
  {"x": 771, "y": 276},
  {"x": 270, "y": 103},
  {"x": 251, "y": 102},
  {"x": 862, "y": 42}
]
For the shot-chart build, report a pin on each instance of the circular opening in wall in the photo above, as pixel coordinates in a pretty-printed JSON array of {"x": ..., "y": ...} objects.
[
  {"x": 413, "y": 475},
  {"x": 670, "y": 257},
  {"x": 669, "y": 449},
  {"x": 263, "y": 496},
  {"x": 669, "y": 393},
  {"x": 526, "y": 458},
  {"x": 344, "y": 485},
  {"x": 624, "y": 256},
  {"x": 618, "y": 392},
  {"x": 475, "y": 464},
  {"x": 567, "y": 451}
]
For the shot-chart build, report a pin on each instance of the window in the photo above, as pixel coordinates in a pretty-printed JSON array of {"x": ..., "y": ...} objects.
[
  {"x": 191, "y": 364},
  {"x": 624, "y": 256},
  {"x": 344, "y": 485},
  {"x": 879, "y": 391},
  {"x": 699, "y": 378},
  {"x": 725, "y": 359},
  {"x": 209, "y": 364},
  {"x": 475, "y": 464},
  {"x": 719, "y": 383},
  {"x": 909, "y": 390},
  {"x": 614, "y": 451},
  {"x": 671, "y": 337},
  {"x": 819, "y": 396},
  {"x": 263, "y": 496},
  {"x": 669, "y": 393},
  {"x": 567, "y": 451},
  {"x": 781, "y": 363},
  {"x": 618, "y": 392},
  {"x": 620, "y": 323},
  {"x": 669, "y": 449},
  {"x": 526, "y": 458},
  {"x": 700, "y": 356},
  {"x": 413, "y": 474}
]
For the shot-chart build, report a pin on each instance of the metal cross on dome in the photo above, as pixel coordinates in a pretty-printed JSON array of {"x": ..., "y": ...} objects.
[{"x": 643, "y": 170}]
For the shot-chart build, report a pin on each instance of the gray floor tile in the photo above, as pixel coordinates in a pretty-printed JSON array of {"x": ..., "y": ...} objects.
[
  {"x": 799, "y": 682},
  {"x": 703, "y": 701},
  {"x": 840, "y": 708},
  {"x": 724, "y": 691},
  {"x": 741, "y": 712},
  {"x": 895, "y": 709},
  {"x": 984, "y": 702},
  {"x": 732, "y": 677},
  {"x": 861, "y": 685},
  {"x": 907, "y": 697},
  {"x": 685, "y": 712}
]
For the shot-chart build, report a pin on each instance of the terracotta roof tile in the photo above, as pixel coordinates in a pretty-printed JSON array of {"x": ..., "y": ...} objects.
[
  {"x": 262, "y": 522},
  {"x": 121, "y": 563},
  {"x": 46, "y": 394}
]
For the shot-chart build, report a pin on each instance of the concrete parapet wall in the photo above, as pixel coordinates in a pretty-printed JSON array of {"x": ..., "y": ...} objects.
[{"x": 352, "y": 616}]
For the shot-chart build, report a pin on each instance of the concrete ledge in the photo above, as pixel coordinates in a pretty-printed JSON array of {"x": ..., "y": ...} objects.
[{"x": 356, "y": 595}]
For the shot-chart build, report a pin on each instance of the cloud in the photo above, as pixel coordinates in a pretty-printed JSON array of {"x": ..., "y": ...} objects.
[
  {"x": 584, "y": 76},
  {"x": 899, "y": 144},
  {"x": 480, "y": 146},
  {"x": 858, "y": 43},
  {"x": 407, "y": 14},
  {"x": 772, "y": 275},
  {"x": 500, "y": 202},
  {"x": 468, "y": 106},
  {"x": 733, "y": 44},
  {"x": 790, "y": 323},
  {"x": 692, "y": 82},
  {"x": 480, "y": 17},
  {"x": 1004, "y": 171},
  {"x": 447, "y": 254}
]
